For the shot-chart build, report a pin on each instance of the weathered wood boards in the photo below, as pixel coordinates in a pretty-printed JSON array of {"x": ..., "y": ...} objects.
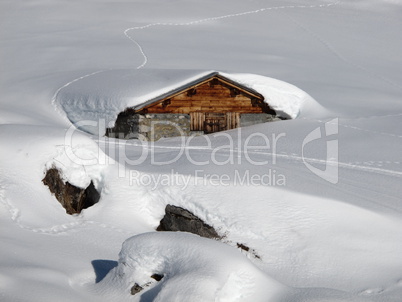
[{"x": 207, "y": 98}]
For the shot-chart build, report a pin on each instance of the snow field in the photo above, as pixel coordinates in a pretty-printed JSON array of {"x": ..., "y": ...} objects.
[{"x": 317, "y": 241}]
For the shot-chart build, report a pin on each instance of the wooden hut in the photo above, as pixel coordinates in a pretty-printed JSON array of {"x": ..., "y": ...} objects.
[{"x": 208, "y": 104}]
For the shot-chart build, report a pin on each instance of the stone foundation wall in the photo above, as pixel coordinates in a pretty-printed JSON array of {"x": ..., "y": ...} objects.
[
  {"x": 150, "y": 127},
  {"x": 156, "y": 126},
  {"x": 126, "y": 127}
]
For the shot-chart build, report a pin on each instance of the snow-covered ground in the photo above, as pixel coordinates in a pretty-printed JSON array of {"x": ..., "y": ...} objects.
[{"x": 316, "y": 198}]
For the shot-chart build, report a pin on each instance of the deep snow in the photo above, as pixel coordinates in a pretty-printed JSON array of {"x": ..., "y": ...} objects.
[{"x": 318, "y": 240}]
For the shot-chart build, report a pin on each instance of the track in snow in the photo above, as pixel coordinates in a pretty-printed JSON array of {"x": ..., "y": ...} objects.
[
  {"x": 145, "y": 57},
  {"x": 295, "y": 157}
]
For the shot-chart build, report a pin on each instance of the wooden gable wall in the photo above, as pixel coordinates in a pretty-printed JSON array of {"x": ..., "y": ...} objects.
[{"x": 213, "y": 95}]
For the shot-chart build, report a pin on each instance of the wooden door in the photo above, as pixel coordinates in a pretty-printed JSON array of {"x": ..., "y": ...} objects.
[
  {"x": 232, "y": 120},
  {"x": 197, "y": 120},
  {"x": 214, "y": 122}
]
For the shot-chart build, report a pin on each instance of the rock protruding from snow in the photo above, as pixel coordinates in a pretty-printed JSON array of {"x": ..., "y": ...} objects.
[
  {"x": 72, "y": 198},
  {"x": 136, "y": 289},
  {"x": 177, "y": 219}
]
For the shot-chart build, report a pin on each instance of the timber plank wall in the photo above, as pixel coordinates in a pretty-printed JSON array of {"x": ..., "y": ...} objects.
[{"x": 208, "y": 98}]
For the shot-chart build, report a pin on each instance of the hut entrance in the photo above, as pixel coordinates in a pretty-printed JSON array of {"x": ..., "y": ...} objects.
[
  {"x": 214, "y": 122},
  {"x": 211, "y": 122}
]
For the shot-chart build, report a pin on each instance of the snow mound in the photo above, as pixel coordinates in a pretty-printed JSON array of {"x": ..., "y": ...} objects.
[
  {"x": 98, "y": 99},
  {"x": 198, "y": 269},
  {"x": 193, "y": 269},
  {"x": 37, "y": 149},
  {"x": 80, "y": 160}
]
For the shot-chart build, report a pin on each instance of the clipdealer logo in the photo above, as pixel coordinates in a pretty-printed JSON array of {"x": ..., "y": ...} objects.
[
  {"x": 229, "y": 152},
  {"x": 201, "y": 178},
  {"x": 330, "y": 172}
]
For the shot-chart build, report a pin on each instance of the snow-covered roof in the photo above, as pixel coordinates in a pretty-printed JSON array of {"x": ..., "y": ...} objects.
[{"x": 105, "y": 94}]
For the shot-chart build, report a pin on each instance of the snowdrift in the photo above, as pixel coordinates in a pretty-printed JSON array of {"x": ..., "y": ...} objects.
[
  {"x": 193, "y": 269},
  {"x": 197, "y": 269}
]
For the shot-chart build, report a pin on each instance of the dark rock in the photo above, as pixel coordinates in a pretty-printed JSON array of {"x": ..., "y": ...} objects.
[
  {"x": 157, "y": 277},
  {"x": 72, "y": 198},
  {"x": 136, "y": 289},
  {"x": 243, "y": 247},
  {"x": 182, "y": 220},
  {"x": 248, "y": 250}
]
